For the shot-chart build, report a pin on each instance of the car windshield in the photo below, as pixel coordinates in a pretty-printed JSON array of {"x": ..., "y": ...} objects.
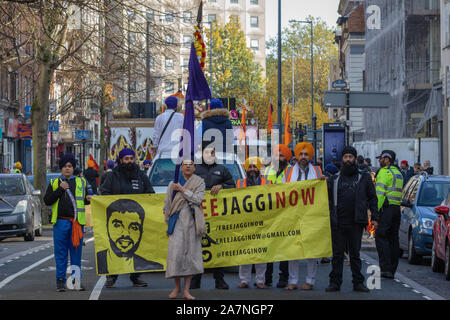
[
  {"x": 433, "y": 193},
  {"x": 163, "y": 172},
  {"x": 11, "y": 186}
]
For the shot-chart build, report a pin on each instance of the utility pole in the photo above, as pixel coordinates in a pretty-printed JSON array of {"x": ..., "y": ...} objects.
[
  {"x": 312, "y": 80},
  {"x": 279, "y": 71}
]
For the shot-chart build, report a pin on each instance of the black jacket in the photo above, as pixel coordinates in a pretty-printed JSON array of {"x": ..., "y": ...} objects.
[
  {"x": 215, "y": 174},
  {"x": 366, "y": 198},
  {"x": 91, "y": 176},
  {"x": 65, "y": 207},
  {"x": 117, "y": 182}
]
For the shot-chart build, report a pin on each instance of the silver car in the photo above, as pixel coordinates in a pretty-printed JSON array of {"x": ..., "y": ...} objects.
[
  {"x": 20, "y": 208},
  {"x": 161, "y": 172}
]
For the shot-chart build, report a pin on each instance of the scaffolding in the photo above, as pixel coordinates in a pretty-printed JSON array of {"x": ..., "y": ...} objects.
[{"x": 403, "y": 58}]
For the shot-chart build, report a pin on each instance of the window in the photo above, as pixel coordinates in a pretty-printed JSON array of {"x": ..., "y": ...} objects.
[
  {"x": 432, "y": 193},
  {"x": 187, "y": 41},
  {"x": 169, "y": 64},
  {"x": 150, "y": 15},
  {"x": 169, "y": 39},
  {"x": 185, "y": 64},
  {"x": 169, "y": 87},
  {"x": 169, "y": 16},
  {"x": 211, "y": 17},
  {"x": 234, "y": 17},
  {"x": 254, "y": 22},
  {"x": 152, "y": 62},
  {"x": 132, "y": 86},
  {"x": 212, "y": 0},
  {"x": 187, "y": 16},
  {"x": 234, "y": 1},
  {"x": 256, "y": 2},
  {"x": 254, "y": 44}
]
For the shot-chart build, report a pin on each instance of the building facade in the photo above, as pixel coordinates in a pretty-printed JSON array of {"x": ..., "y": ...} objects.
[{"x": 350, "y": 37}]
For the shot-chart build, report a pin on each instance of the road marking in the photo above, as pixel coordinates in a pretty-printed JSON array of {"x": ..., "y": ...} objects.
[
  {"x": 95, "y": 294},
  {"x": 34, "y": 265},
  {"x": 22, "y": 253},
  {"x": 415, "y": 291},
  {"x": 430, "y": 295},
  {"x": 428, "y": 298},
  {"x": 12, "y": 277}
]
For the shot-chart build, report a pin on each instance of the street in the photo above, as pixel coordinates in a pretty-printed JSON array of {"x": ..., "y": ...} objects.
[{"x": 27, "y": 272}]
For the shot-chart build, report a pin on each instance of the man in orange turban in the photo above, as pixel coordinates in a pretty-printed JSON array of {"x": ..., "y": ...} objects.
[
  {"x": 303, "y": 170},
  {"x": 91, "y": 175},
  {"x": 304, "y": 146}
]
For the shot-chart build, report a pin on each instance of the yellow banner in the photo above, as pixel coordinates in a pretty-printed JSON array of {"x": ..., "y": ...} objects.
[{"x": 251, "y": 225}]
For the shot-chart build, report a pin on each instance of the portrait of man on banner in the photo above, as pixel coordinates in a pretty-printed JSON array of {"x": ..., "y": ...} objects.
[{"x": 124, "y": 224}]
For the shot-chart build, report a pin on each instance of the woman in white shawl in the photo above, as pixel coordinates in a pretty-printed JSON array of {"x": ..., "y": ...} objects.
[{"x": 184, "y": 254}]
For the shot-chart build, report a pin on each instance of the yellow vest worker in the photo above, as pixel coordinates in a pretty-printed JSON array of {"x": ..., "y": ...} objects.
[{"x": 388, "y": 186}]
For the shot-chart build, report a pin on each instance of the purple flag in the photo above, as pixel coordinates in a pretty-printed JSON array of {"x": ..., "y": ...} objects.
[{"x": 197, "y": 89}]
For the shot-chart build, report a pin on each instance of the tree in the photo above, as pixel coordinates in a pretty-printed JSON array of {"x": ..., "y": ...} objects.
[
  {"x": 86, "y": 57},
  {"x": 234, "y": 71},
  {"x": 296, "y": 45}
]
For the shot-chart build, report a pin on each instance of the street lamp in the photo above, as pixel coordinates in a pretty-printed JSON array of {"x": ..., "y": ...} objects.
[{"x": 312, "y": 80}]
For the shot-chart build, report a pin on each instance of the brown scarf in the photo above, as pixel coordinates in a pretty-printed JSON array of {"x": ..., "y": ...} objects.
[{"x": 194, "y": 184}]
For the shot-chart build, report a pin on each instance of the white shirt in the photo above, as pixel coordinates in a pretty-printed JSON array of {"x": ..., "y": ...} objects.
[
  {"x": 311, "y": 174},
  {"x": 166, "y": 144}
]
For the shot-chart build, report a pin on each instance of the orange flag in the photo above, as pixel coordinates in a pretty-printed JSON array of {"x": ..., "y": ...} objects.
[
  {"x": 287, "y": 128},
  {"x": 270, "y": 121}
]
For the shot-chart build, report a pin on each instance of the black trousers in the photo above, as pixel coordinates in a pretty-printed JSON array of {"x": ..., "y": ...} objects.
[
  {"x": 386, "y": 239},
  {"x": 284, "y": 271},
  {"x": 346, "y": 237},
  {"x": 133, "y": 276},
  {"x": 217, "y": 273}
]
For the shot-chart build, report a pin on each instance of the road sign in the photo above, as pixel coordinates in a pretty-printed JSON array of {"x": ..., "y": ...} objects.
[
  {"x": 83, "y": 134},
  {"x": 357, "y": 99},
  {"x": 339, "y": 84},
  {"x": 53, "y": 125}
]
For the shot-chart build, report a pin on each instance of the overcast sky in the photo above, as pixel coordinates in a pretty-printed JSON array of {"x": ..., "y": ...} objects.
[{"x": 299, "y": 10}]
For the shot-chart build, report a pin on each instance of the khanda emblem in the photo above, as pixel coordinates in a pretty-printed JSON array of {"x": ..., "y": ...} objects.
[{"x": 206, "y": 243}]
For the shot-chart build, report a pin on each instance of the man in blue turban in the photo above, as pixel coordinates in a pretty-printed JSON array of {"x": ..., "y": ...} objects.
[{"x": 126, "y": 178}]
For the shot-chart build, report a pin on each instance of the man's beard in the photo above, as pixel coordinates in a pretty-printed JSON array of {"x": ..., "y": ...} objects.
[
  {"x": 252, "y": 178},
  {"x": 349, "y": 168},
  {"x": 129, "y": 170},
  {"x": 303, "y": 164},
  {"x": 128, "y": 254}
]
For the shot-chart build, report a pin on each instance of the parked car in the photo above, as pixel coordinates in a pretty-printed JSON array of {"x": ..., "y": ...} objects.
[
  {"x": 440, "y": 255},
  {"x": 420, "y": 196},
  {"x": 162, "y": 170},
  {"x": 20, "y": 208}
]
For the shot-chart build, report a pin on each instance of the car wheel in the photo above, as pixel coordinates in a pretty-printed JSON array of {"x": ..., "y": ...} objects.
[
  {"x": 447, "y": 262},
  {"x": 437, "y": 265},
  {"x": 30, "y": 236},
  {"x": 413, "y": 257}
]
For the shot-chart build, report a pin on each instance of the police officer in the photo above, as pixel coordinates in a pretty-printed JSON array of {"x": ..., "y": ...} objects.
[
  {"x": 388, "y": 186},
  {"x": 18, "y": 167},
  {"x": 126, "y": 178},
  {"x": 274, "y": 173},
  {"x": 67, "y": 195}
]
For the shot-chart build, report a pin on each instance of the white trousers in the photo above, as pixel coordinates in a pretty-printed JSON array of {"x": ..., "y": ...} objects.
[
  {"x": 311, "y": 266},
  {"x": 245, "y": 273}
]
